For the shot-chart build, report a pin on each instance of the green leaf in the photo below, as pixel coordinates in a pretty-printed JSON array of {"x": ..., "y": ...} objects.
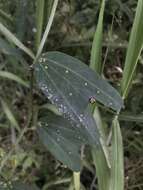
[
  {"x": 13, "y": 77},
  {"x": 69, "y": 84},
  {"x": 76, "y": 178},
  {"x": 12, "y": 38},
  {"x": 117, "y": 168},
  {"x": 66, "y": 80},
  {"x": 39, "y": 20},
  {"x": 95, "y": 62},
  {"x": 7, "y": 49},
  {"x": 134, "y": 49},
  {"x": 21, "y": 19},
  {"x": 9, "y": 114},
  {"x": 101, "y": 156},
  {"x": 6, "y": 16},
  {"x": 62, "y": 139}
]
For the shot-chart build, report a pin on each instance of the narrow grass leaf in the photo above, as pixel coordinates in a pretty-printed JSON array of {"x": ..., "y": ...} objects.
[
  {"x": 95, "y": 62},
  {"x": 102, "y": 169},
  {"x": 39, "y": 21},
  {"x": 7, "y": 49},
  {"x": 76, "y": 177},
  {"x": 134, "y": 49},
  {"x": 100, "y": 156},
  {"x": 117, "y": 169},
  {"x": 6, "y": 16},
  {"x": 21, "y": 19},
  {"x": 12, "y": 38},
  {"x": 13, "y": 77},
  {"x": 9, "y": 114}
]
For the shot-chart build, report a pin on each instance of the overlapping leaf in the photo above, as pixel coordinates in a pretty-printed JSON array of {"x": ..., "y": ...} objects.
[
  {"x": 69, "y": 84},
  {"x": 62, "y": 139}
]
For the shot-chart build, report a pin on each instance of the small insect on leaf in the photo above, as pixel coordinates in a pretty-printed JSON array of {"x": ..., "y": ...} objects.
[{"x": 92, "y": 100}]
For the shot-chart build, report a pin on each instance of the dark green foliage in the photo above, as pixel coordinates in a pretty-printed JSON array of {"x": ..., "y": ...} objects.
[
  {"x": 63, "y": 76},
  {"x": 69, "y": 84},
  {"x": 72, "y": 32},
  {"x": 62, "y": 139}
]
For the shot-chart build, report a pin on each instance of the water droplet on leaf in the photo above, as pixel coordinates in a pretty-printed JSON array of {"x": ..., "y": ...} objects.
[
  {"x": 98, "y": 92},
  {"x": 58, "y": 140}
]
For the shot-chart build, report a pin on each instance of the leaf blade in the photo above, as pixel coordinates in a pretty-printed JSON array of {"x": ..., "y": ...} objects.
[
  {"x": 62, "y": 140},
  {"x": 14, "y": 77},
  {"x": 117, "y": 168},
  {"x": 11, "y": 37},
  {"x": 96, "y": 51},
  {"x": 134, "y": 49},
  {"x": 91, "y": 83}
]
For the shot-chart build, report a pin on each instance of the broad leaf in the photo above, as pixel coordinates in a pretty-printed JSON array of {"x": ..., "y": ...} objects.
[
  {"x": 63, "y": 77},
  {"x": 69, "y": 84},
  {"x": 62, "y": 139}
]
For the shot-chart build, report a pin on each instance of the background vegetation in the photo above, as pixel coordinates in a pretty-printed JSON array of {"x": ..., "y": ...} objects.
[{"x": 72, "y": 32}]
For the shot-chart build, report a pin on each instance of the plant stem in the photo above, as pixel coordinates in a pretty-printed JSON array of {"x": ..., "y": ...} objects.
[{"x": 46, "y": 33}]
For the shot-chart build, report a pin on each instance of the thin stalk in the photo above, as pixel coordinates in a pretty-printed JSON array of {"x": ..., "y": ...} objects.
[
  {"x": 48, "y": 27},
  {"x": 12, "y": 38}
]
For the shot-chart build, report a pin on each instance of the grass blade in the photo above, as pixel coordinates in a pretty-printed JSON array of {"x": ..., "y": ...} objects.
[
  {"x": 21, "y": 20},
  {"x": 101, "y": 157},
  {"x": 95, "y": 62},
  {"x": 39, "y": 19},
  {"x": 102, "y": 171},
  {"x": 9, "y": 114},
  {"x": 76, "y": 176},
  {"x": 117, "y": 169},
  {"x": 134, "y": 49},
  {"x": 48, "y": 8},
  {"x": 6, "y": 16},
  {"x": 12, "y": 38},
  {"x": 13, "y": 77}
]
